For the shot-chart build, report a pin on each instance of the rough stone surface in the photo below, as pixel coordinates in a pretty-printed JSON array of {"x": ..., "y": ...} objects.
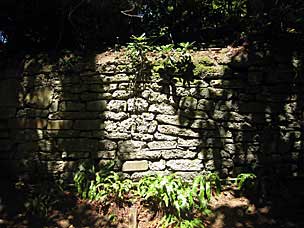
[
  {"x": 140, "y": 154},
  {"x": 89, "y": 125},
  {"x": 117, "y": 106},
  {"x": 107, "y": 145},
  {"x": 75, "y": 155},
  {"x": 106, "y": 154},
  {"x": 117, "y": 135},
  {"x": 158, "y": 165},
  {"x": 188, "y": 102},
  {"x": 158, "y": 145},
  {"x": 97, "y": 105},
  {"x": 232, "y": 117},
  {"x": 175, "y": 131},
  {"x": 177, "y": 153},
  {"x": 139, "y": 175},
  {"x": 185, "y": 165},
  {"x": 59, "y": 124},
  {"x": 137, "y": 105},
  {"x": 71, "y": 106},
  {"x": 143, "y": 126},
  {"x": 162, "y": 108},
  {"x": 143, "y": 137},
  {"x": 159, "y": 136},
  {"x": 77, "y": 145},
  {"x": 188, "y": 142},
  {"x": 121, "y": 94},
  {"x": 130, "y": 146},
  {"x": 27, "y": 123},
  {"x": 114, "y": 115},
  {"x": 41, "y": 98},
  {"x": 169, "y": 119},
  {"x": 46, "y": 145},
  {"x": 54, "y": 106},
  {"x": 62, "y": 133}
]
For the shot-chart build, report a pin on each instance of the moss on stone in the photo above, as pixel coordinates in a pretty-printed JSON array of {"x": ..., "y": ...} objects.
[
  {"x": 203, "y": 69},
  {"x": 206, "y": 65},
  {"x": 179, "y": 81},
  {"x": 205, "y": 60}
]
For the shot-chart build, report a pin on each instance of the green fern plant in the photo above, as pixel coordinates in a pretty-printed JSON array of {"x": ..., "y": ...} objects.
[
  {"x": 102, "y": 183},
  {"x": 244, "y": 180},
  {"x": 179, "y": 199},
  {"x": 84, "y": 178}
]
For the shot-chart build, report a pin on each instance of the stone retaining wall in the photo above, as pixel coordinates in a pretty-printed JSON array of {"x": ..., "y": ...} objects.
[{"x": 236, "y": 118}]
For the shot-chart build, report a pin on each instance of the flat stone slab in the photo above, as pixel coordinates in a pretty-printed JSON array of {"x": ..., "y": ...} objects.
[{"x": 130, "y": 166}]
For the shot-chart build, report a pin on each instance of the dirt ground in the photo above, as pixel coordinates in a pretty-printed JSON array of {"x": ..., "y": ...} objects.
[{"x": 230, "y": 210}]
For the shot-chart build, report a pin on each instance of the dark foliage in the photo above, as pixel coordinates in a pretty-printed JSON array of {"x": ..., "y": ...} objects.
[{"x": 91, "y": 24}]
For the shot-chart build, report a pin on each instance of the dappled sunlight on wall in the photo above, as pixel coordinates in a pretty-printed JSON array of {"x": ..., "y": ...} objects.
[{"x": 234, "y": 115}]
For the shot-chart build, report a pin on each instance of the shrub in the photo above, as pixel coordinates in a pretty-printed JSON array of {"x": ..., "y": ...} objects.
[
  {"x": 101, "y": 184},
  {"x": 179, "y": 200}
]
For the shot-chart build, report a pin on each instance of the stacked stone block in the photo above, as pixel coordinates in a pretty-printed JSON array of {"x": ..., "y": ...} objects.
[{"x": 228, "y": 122}]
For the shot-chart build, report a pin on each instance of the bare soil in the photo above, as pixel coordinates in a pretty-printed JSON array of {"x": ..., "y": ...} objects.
[{"x": 229, "y": 210}]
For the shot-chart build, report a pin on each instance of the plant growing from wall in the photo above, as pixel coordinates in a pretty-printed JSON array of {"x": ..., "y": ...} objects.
[
  {"x": 185, "y": 65},
  {"x": 175, "y": 63},
  {"x": 175, "y": 66},
  {"x": 68, "y": 62},
  {"x": 140, "y": 65},
  {"x": 171, "y": 63}
]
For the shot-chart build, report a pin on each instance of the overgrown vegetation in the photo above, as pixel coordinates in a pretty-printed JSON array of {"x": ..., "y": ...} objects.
[
  {"x": 171, "y": 63},
  {"x": 140, "y": 64},
  {"x": 175, "y": 63},
  {"x": 181, "y": 203},
  {"x": 91, "y": 24},
  {"x": 173, "y": 201},
  {"x": 245, "y": 180},
  {"x": 173, "y": 25},
  {"x": 39, "y": 197},
  {"x": 40, "y": 203},
  {"x": 101, "y": 184}
]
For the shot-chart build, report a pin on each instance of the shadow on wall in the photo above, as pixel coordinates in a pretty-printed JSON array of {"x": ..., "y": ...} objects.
[
  {"x": 270, "y": 99},
  {"x": 65, "y": 111},
  {"x": 254, "y": 123},
  {"x": 248, "y": 119},
  {"x": 49, "y": 122}
]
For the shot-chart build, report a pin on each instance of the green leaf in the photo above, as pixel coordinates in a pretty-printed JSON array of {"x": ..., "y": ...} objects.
[
  {"x": 177, "y": 207},
  {"x": 208, "y": 190},
  {"x": 244, "y": 177},
  {"x": 166, "y": 200},
  {"x": 170, "y": 8},
  {"x": 190, "y": 197}
]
